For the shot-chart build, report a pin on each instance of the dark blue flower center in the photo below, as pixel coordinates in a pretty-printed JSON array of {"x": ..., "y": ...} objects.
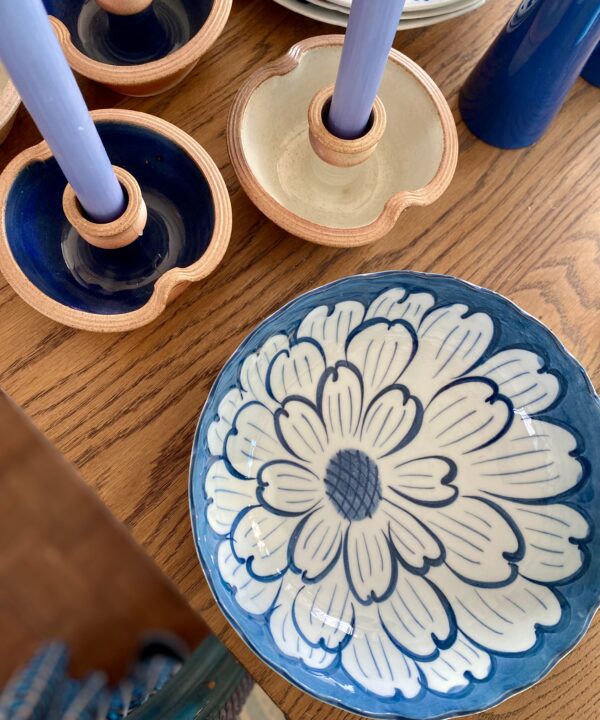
[{"x": 352, "y": 483}]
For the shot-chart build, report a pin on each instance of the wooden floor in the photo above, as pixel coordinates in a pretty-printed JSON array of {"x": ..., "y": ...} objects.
[
  {"x": 68, "y": 570},
  {"x": 124, "y": 408}
]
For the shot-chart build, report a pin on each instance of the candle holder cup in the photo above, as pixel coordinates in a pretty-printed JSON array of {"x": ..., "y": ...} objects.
[
  {"x": 121, "y": 275},
  {"x": 9, "y": 104},
  {"x": 324, "y": 189},
  {"x": 137, "y": 47}
]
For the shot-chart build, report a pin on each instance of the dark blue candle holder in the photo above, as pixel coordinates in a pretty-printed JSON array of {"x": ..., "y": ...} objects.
[
  {"x": 66, "y": 277},
  {"x": 519, "y": 85},
  {"x": 142, "y": 53}
]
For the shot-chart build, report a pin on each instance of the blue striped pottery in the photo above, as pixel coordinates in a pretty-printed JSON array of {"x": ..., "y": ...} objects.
[{"x": 393, "y": 495}]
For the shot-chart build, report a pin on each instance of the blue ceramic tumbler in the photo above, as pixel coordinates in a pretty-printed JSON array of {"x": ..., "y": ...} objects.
[{"x": 519, "y": 85}]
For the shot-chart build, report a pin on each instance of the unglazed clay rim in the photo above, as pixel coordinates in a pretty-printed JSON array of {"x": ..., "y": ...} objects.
[
  {"x": 124, "y": 76},
  {"x": 166, "y": 287},
  {"x": 9, "y": 104},
  {"x": 307, "y": 229}
]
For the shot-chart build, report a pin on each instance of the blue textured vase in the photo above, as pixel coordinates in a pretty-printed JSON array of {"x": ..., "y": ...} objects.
[
  {"x": 519, "y": 85},
  {"x": 591, "y": 72}
]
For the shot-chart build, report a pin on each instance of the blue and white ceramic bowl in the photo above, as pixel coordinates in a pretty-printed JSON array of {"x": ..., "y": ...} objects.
[{"x": 394, "y": 493}]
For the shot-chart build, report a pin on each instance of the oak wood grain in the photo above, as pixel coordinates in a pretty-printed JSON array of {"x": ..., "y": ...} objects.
[{"x": 525, "y": 223}]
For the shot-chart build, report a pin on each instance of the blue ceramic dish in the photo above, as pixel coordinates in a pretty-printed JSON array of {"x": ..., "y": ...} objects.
[
  {"x": 66, "y": 278},
  {"x": 394, "y": 492}
]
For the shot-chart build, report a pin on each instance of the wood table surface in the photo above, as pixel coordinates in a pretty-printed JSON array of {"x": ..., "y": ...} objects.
[{"x": 123, "y": 408}]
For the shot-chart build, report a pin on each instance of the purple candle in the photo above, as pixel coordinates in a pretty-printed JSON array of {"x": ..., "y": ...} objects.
[
  {"x": 33, "y": 58},
  {"x": 371, "y": 30}
]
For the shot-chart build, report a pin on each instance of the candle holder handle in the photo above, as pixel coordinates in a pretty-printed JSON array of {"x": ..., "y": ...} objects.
[
  {"x": 337, "y": 151},
  {"x": 124, "y": 7},
  {"x": 113, "y": 235}
]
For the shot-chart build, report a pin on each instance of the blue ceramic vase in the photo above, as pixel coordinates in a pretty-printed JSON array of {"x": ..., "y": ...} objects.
[
  {"x": 591, "y": 72},
  {"x": 519, "y": 85}
]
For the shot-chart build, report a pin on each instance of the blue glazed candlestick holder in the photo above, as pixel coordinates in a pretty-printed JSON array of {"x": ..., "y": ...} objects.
[
  {"x": 519, "y": 85},
  {"x": 591, "y": 72},
  {"x": 137, "y": 47},
  {"x": 118, "y": 276}
]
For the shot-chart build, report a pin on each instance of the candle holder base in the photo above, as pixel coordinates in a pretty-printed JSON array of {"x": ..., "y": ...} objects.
[
  {"x": 139, "y": 55},
  {"x": 49, "y": 263},
  {"x": 336, "y": 201}
]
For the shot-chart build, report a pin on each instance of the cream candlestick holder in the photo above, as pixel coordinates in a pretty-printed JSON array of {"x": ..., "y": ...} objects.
[
  {"x": 120, "y": 275},
  {"x": 330, "y": 191},
  {"x": 137, "y": 47}
]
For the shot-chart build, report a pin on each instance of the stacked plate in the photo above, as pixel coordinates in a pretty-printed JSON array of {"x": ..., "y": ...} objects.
[{"x": 417, "y": 13}]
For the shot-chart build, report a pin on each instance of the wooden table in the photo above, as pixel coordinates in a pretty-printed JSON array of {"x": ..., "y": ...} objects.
[{"x": 123, "y": 408}]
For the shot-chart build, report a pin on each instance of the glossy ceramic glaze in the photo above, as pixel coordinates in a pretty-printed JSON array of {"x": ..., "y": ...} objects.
[
  {"x": 277, "y": 166},
  {"x": 139, "y": 54},
  {"x": 591, "y": 71},
  {"x": 394, "y": 490},
  {"x": 519, "y": 85},
  {"x": 9, "y": 104},
  {"x": 61, "y": 274}
]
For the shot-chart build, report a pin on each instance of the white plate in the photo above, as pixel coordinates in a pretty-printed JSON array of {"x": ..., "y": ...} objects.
[
  {"x": 420, "y": 6},
  {"x": 341, "y": 20},
  {"x": 418, "y": 13}
]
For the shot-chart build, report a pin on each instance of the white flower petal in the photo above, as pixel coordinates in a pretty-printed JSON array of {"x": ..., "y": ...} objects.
[
  {"x": 262, "y": 536},
  {"x": 301, "y": 430},
  {"x": 218, "y": 429},
  {"x": 377, "y": 664},
  {"x": 254, "y": 596},
  {"x": 341, "y": 401},
  {"x": 425, "y": 480},
  {"x": 476, "y": 537},
  {"x": 533, "y": 460},
  {"x": 381, "y": 351},
  {"x": 330, "y": 328},
  {"x": 463, "y": 417},
  {"x": 391, "y": 421},
  {"x": 396, "y": 304},
  {"x": 253, "y": 375},
  {"x": 296, "y": 371},
  {"x": 447, "y": 673},
  {"x": 253, "y": 441},
  {"x": 414, "y": 616},
  {"x": 505, "y": 619},
  {"x": 289, "y": 487},
  {"x": 450, "y": 342},
  {"x": 284, "y": 632},
  {"x": 413, "y": 542},
  {"x": 229, "y": 496},
  {"x": 551, "y": 532},
  {"x": 519, "y": 375},
  {"x": 316, "y": 544},
  {"x": 324, "y": 612},
  {"x": 368, "y": 558}
]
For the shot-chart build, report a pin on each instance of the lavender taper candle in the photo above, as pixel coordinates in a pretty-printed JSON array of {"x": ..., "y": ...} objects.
[
  {"x": 33, "y": 58},
  {"x": 371, "y": 30}
]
